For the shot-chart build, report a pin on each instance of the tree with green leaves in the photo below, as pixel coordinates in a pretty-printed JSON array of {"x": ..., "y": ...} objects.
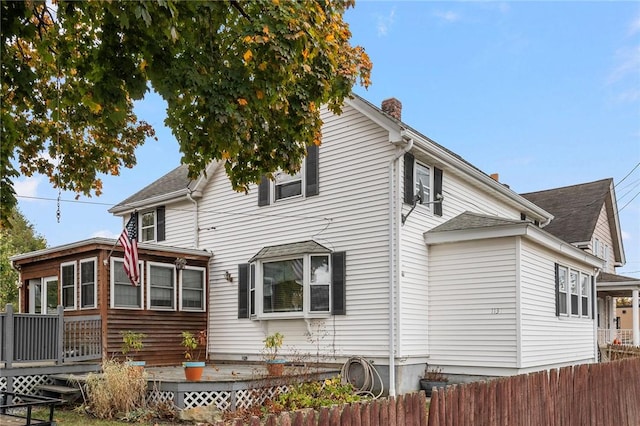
[
  {"x": 243, "y": 81},
  {"x": 18, "y": 237}
]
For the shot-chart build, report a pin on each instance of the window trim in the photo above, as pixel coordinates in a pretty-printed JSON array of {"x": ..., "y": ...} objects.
[
  {"x": 142, "y": 228},
  {"x": 204, "y": 289},
  {"x": 416, "y": 165},
  {"x": 306, "y": 311},
  {"x": 75, "y": 285},
  {"x": 112, "y": 285},
  {"x": 174, "y": 306},
  {"x": 93, "y": 260},
  {"x": 568, "y": 311},
  {"x": 302, "y": 179}
]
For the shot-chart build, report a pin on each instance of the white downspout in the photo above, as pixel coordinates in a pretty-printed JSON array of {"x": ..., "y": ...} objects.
[
  {"x": 196, "y": 230},
  {"x": 393, "y": 238}
]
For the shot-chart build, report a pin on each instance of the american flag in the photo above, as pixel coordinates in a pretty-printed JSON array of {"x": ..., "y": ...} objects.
[{"x": 129, "y": 241}]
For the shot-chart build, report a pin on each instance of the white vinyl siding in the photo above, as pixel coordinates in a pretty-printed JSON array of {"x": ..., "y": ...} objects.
[
  {"x": 548, "y": 340},
  {"x": 350, "y": 218},
  {"x": 602, "y": 233},
  {"x": 472, "y": 303}
]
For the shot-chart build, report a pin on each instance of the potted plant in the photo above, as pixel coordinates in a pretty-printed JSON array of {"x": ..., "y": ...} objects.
[
  {"x": 433, "y": 378},
  {"x": 132, "y": 342},
  {"x": 193, "y": 344},
  {"x": 272, "y": 343}
]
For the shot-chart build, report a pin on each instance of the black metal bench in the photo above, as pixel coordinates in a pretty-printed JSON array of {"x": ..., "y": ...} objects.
[{"x": 20, "y": 413}]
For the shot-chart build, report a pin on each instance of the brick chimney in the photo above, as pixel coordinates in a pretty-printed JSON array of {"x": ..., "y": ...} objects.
[
  {"x": 495, "y": 176},
  {"x": 393, "y": 107}
]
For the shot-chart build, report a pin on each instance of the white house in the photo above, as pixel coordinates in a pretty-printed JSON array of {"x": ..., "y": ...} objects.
[{"x": 344, "y": 261}]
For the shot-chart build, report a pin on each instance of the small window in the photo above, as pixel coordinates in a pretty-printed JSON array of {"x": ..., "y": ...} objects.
[
  {"x": 148, "y": 226},
  {"x": 162, "y": 286},
  {"x": 88, "y": 279},
  {"x": 573, "y": 284},
  {"x": 193, "y": 289},
  {"x": 423, "y": 175},
  {"x": 585, "y": 293},
  {"x": 287, "y": 186},
  {"x": 68, "y": 280},
  {"x": 562, "y": 290},
  {"x": 320, "y": 283},
  {"x": 124, "y": 294}
]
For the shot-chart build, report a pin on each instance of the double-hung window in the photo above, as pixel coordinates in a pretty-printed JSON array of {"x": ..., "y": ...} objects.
[
  {"x": 88, "y": 281},
  {"x": 573, "y": 293},
  {"x": 162, "y": 286},
  {"x": 192, "y": 289},
  {"x": 148, "y": 226},
  {"x": 68, "y": 284},
  {"x": 422, "y": 176},
  {"x": 123, "y": 293},
  {"x": 287, "y": 185}
]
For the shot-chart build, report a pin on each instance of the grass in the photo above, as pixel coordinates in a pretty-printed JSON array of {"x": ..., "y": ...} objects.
[{"x": 67, "y": 416}]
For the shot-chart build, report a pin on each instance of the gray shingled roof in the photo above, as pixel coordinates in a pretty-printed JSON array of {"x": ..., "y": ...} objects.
[
  {"x": 468, "y": 220},
  {"x": 174, "y": 181},
  {"x": 290, "y": 249},
  {"x": 613, "y": 278},
  {"x": 576, "y": 209}
]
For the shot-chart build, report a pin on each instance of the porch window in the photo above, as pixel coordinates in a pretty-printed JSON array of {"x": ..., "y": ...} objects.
[
  {"x": 68, "y": 284},
  {"x": 192, "y": 289},
  {"x": 88, "y": 279},
  {"x": 124, "y": 295},
  {"x": 162, "y": 286}
]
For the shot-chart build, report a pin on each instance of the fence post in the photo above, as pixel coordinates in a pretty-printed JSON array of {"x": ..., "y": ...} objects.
[
  {"x": 60, "y": 328},
  {"x": 8, "y": 336}
]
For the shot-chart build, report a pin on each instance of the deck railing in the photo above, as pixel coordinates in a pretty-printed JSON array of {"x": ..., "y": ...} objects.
[
  {"x": 621, "y": 336},
  {"x": 51, "y": 337}
]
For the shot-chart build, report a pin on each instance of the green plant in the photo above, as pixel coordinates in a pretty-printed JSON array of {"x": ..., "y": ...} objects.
[
  {"x": 318, "y": 394},
  {"x": 192, "y": 342},
  {"x": 131, "y": 341},
  {"x": 272, "y": 343},
  {"x": 434, "y": 374}
]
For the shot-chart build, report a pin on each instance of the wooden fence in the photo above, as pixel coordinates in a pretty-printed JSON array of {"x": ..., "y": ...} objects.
[
  {"x": 582, "y": 395},
  {"x": 587, "y": 394}
]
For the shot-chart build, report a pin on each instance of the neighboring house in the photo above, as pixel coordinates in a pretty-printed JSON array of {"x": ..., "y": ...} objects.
[
  {"x": 586, "y": 215},
  {"x": 338, "y": 260},
  {"x": 87, "y": 278}
]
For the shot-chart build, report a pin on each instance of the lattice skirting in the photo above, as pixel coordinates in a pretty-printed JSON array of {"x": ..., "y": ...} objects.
[{"x": 25, "y": 384}]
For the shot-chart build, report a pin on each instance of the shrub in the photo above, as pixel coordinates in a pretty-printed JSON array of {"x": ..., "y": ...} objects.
[
  {"x": 118, "y": 392},
  {"x": 318, "y": 394}
]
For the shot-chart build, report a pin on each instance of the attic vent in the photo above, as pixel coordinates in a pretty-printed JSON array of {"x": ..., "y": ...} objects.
[{"x": 393, "y": 107}]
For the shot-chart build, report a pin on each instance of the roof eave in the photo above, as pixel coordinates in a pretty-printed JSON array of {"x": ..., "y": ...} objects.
[{"x": 148, "y": 202}]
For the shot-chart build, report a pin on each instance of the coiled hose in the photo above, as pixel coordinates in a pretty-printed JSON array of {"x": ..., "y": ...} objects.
[{"x": 370, "y": 374}]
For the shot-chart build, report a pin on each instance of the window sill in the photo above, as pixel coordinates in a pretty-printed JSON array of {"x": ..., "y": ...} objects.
[{"x": 292, "y": 315}]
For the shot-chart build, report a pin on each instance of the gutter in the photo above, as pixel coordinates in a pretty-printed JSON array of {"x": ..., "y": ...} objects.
[{"x": 394, "y": 250}]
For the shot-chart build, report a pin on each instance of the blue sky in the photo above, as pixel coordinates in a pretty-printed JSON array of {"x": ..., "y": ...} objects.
[{"x": 547, "y": 94}]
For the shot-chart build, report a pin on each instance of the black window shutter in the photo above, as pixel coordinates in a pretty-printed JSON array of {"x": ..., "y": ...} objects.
[
  {"x": 557, "y": 291},
  {"x": 311, "y": 171},
  {"x": 594, "y": 304},
  {"x": 160, "y": 236},
  {"x": 243, "y": 290},
  {"x": 263, "y": 191},
  {"x": 437, "y": 191},
  {"x": 408, "y": 178},
  {"x": 338, "y": 283}
]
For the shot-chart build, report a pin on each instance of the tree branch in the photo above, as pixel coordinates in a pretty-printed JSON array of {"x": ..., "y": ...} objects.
[{"x": 239, "y": 8}]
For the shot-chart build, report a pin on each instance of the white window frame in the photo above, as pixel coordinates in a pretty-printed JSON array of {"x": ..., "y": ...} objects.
[
  {"x": 203, "y": 289},
  {"x": 573, "y": 273},
  {"x": 427, "y": 188},
  {"x": 596, "y": 247},
  {"x": 306, "y": 289},
  {"x": 112, "y": 284},
  {"x": 174, "y": 303},
  {"x": 301, "y": 178},
  {"x": 581, "y": 295},
  {"x": 566, "y": 292},
  {"x": 93, "y": 260},
  {"x": 143, "y": 228},
  {"x": 75, "y": 285}
]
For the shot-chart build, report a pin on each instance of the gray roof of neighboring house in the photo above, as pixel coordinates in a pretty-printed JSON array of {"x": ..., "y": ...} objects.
[
  {"x": 468, "y": 220},
  {"x": 614, "y": 278},
  {"x": 174, "y": 181},
  {"x": 576, "y": 208}
]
